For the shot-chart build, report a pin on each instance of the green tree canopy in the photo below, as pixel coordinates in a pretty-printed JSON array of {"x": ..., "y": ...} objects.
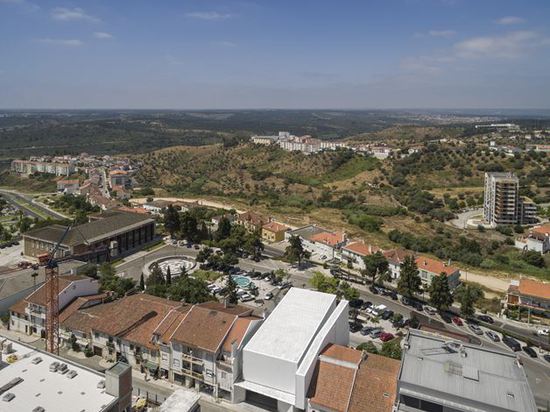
[
  {"x": 409, "y": 281},
  {"x": 440, "y": 292}
]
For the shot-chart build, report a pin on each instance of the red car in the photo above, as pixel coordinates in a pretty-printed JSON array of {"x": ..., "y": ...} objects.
[
  {"x": 457, "y": 321},
  {"x": 386, "y": 336}
]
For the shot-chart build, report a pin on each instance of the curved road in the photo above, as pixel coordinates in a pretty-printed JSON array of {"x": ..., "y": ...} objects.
[{"x": 21, "y": 201}]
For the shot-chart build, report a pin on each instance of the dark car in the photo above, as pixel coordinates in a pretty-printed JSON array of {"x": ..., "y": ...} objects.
[
  {"x": 486, "y": 319},
  {"x": 393, "y": 295},
  {"x": 354, "y": 327},
  {"x": 475, "y": 328},
  {"x": 366, "y": 330},
  {"x": 366, "y": 305},
  {"x": 417, "y": 305},
  {"x": 356, "y": 303},
  {"x": 530, "y": 351},
  {"x": 511, "y": 343},
  {"x": 387, "y": 314},
  {"x": 405, "y": 301},
  {"x": 373, "y": 290},
  {"x": 546, "y": 358},
  {"x": 446, "y": 316}
]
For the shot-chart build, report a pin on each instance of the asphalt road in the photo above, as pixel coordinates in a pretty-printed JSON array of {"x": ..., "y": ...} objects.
[{"x": 21, "y": 201}]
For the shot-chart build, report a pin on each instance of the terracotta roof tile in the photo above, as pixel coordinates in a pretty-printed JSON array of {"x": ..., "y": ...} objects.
[
  {"x": 375, "y": 387},
  {"x": 38, "y": 297},
  {"x": 19, "y": 307},
  {"x": 534, "y": 288},
  {"x": 396, "y": 256},
  {"x": 362, "y": 249},
  {"x": 237, "y": 332},
  {"x": 331, "y": 386},
  {"x": 331, "y": 239},
  {"x": 434, "y": 266},
  {"x": 542, "y": 230},
  {"x": 342, "y": 353},
  {"x": 204, "y": 328},
  {"x": 238, "y": 310},
  {"x": 275, "y": 227},
  {"x": 79, "y": 302}
]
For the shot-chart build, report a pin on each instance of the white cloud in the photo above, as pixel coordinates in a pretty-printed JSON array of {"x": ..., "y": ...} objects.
[
  {"x": 209, "y": 15},
  {"x": 65, "y": 14},
  {"x": 510, "y": 20},
  {"x": 26, "y": 5},
  {"x": 509, "y": 45},
  {"x": 442, "y": 33},
  {"x": 61, "y": 42},
  {"x": 425, "y": 64},
  {"x": 102, "y": 35}
]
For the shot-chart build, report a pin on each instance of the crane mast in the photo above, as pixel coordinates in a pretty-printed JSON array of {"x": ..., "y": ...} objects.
[{"x": 52, "y": 298}]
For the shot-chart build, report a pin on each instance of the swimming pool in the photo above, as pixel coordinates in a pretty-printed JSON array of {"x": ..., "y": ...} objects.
[{"x": 241, "y": 281}]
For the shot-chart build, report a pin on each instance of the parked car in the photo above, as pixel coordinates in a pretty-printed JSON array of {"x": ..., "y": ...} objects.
[
  {"x": 547, "y": 358},
  {"x": 323, "y": 257},
  {"x": 356, "y": 303},
  {"x": 366, "y": 330},
  {"x": 366, "y": 305},
  {"x": 387, "y": 314},
  {"x": 354, "y": 327},
  {"x": 457, "y": 321},
  {"x": 511, "y": 343},
  {"x": 268, "y": 296},
  {"x": 429, "y": 310},
  {"x": 375, "y": 333},
  {"x": 247, "y": 297},
  {"x": 543, "y": 332},
  {"x": 492, "y": 335},
  {"x": 378, "y": 310},
  {"x": 486, "y": 319},
  {"x": 417, "y": 305},
  {"x": 475, "y": 328},
  {"x": 446, "y": 316},
  {"x": 386, "y": 336},
  {"x": 530, "y": 351}
]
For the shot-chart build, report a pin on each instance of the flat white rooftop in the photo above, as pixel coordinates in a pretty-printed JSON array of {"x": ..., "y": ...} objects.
[
  {"x": 288, "y": 331},
  {"x": 51, "y": 390}
]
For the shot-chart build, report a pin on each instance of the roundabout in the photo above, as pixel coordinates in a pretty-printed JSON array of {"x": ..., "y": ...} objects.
[{"x": 175, "y": 263}]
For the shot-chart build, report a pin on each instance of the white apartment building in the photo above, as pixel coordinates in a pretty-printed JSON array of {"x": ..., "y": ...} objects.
[
  {"x": 280, "y": 358},
  {"x": 28, "y": 167},
  {"x": 29, "y": 315}
]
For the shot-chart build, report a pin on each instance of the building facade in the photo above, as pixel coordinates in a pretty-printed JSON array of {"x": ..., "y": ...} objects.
[
  {"x": 29, "y": 167},
  {"x": 529, "y": 294}
]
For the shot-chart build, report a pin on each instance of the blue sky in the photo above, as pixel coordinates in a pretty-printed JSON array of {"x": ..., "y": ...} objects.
[{"x": 218, "y": 54}]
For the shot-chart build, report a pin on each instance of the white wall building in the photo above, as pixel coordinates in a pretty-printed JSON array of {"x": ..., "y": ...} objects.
[{"x": 279, "y": 360}]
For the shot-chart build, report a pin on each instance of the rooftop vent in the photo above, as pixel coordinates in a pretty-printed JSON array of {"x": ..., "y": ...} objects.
[{"x": 39, "y": 409}]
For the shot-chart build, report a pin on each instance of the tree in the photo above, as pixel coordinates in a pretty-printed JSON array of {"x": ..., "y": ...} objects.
[
  {"x": 254, "y": 246},
  {"x": 189, "y": 290},
  {"x": 376, "y": 265},
  {"x": 440, "y": 292},
  {"x": 110, "y": 281},
  {"x": 347, "y": 291},
  {"x": 230, "y": 292},
  {"x": 141, "y": 282},
  {"x": 204, "y": 254},
  {"x": 171, "y": 220},
  {"x": 391, "y": 349},
  {"x": 168, "y": 276},
  {"x": 295, "y": 251},
  {"x": 189, "y": 227},
  {"x": 368, "y": 347},
  {"x": 468, "y": 295},
  {"x": 409, "y": 280},
  {"x": 156, "y": 277},
  {"x": 224, "y": 229},
  {"x": 322, "y": 283},
  {"x": 533, "y": 258}
]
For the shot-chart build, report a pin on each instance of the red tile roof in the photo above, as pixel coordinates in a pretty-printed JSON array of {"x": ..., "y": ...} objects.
[
  {"x": 434, "y": 266},
  {"x": 534, "y": 288},
  {"x": 38, "y": 297},
  {"x": 543, "y": 230},
  {"x": 396, "y": 256},
  {"x": 361, "y": 249},
  {"x": 275, "y": 227},
  {"x": 375, "y": 386},
  {"x": 330, "y": 239},
  {"x": 237, "y": 332},
  {"x": 342, "y": 353},
  {"x": 331, "y": 386},
  {"x": 79, "y": 302},
  {"x": 204, "y": 328}
]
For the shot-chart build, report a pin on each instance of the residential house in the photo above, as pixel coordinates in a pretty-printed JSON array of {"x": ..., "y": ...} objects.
[
  {"x": 429, "y": 268},
  {"x": 156, "y": 207},
  {"x": 348, "y": 380},
  {"x": 529, "y": 293},
  {"x": 354, "y": 252},
  {"x": 325, "y": 243},
  {"x": 68, "y": 186},
  {"x": 28, "y": 316},
  {"x": 274, "y": 232},
  {"x": 121, "y": 178},
  {"x": 395, "y": 258},
  {"x": 538, "y": 240},
  {"x": 251, "y": 221}
]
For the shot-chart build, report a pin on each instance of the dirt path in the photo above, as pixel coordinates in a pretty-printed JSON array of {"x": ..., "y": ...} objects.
[{"x": 202, "y": 202}]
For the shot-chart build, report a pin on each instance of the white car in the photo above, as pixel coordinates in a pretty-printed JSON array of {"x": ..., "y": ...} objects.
[
  {"x": 543, "y": 332},
  {"x": 429, "y": 310}
]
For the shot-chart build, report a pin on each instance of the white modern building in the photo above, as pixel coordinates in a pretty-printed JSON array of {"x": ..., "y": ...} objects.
[
  {"x": 33, "y": 380},
  {"x": 279, "y": 360},
  {"x": 538, "y": 240}
]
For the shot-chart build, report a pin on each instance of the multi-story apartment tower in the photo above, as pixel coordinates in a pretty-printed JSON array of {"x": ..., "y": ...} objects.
[{"x": 503, "y": 205}]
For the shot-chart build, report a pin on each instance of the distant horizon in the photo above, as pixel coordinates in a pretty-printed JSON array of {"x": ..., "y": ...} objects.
[{"x": 266, "y": 55}]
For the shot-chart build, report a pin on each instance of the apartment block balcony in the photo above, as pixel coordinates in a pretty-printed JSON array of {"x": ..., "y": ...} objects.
[{"x": 191, "y": 359}]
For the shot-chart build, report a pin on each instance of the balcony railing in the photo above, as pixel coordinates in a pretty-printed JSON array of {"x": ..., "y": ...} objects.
[{"x": 189, "y": 358}]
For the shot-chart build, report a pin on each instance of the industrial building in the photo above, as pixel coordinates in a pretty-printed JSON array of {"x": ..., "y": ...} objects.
[
  {"x": 437, "y": 376},
  {"x": 33, "y": 380},
  {"x": 106, "y": 235}
]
